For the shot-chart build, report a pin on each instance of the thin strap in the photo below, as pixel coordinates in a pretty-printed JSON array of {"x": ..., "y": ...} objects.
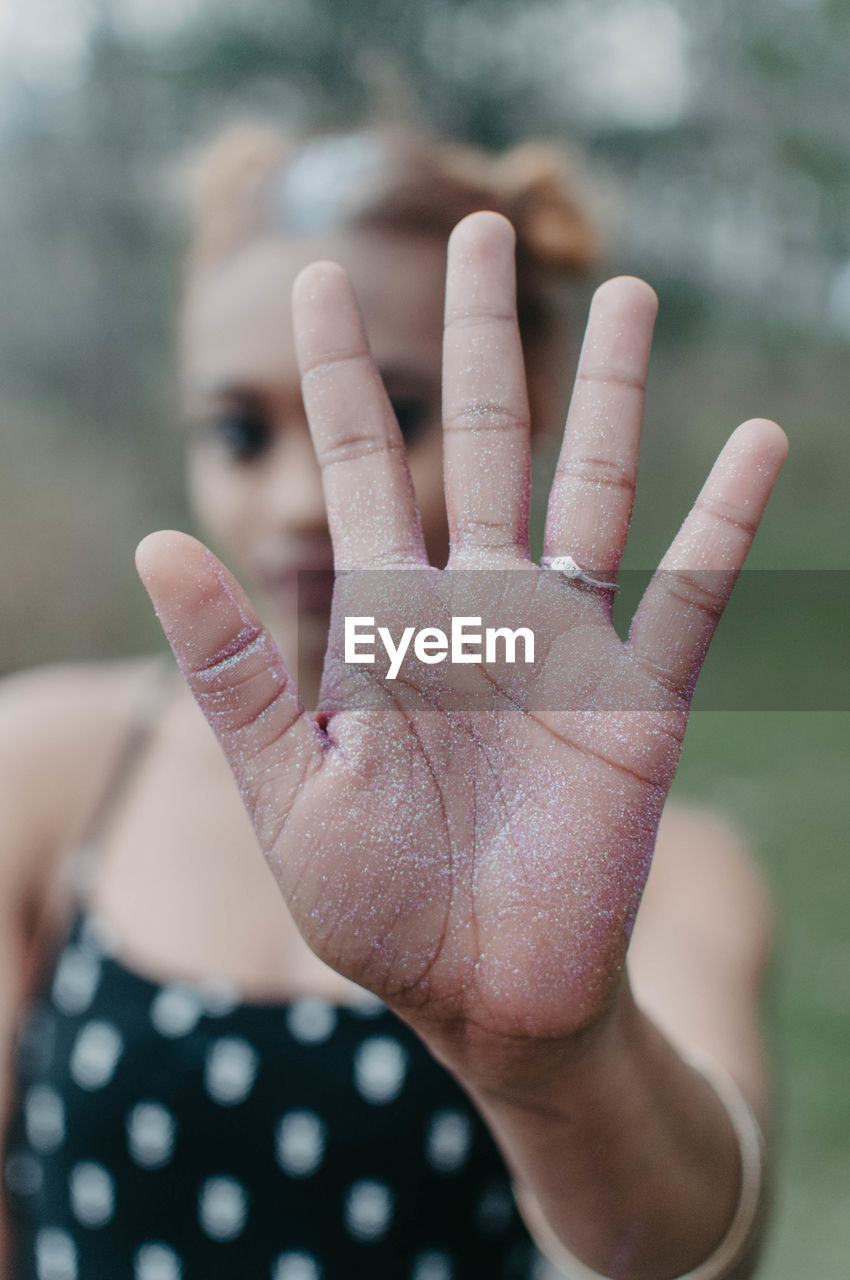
[{"x": 81, "y": 863}]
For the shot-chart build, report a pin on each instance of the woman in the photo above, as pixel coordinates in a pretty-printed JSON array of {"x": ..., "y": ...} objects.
[{"x": 204, "y": 1084}]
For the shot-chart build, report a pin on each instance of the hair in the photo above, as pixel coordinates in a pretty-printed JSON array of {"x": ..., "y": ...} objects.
[{"x": 253, "y": 180}]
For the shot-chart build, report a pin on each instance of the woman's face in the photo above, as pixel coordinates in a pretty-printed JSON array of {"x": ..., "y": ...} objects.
[{"x": 254, "y": 482}]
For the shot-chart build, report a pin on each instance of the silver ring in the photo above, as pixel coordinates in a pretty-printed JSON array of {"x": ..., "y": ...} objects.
[{"x": 568, "y": 567}]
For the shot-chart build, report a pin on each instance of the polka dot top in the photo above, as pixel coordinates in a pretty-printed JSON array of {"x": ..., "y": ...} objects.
[{"x": 173, "y": 1131}]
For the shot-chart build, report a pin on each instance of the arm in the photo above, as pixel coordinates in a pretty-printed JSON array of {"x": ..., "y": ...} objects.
[
  {"x": 628, "y": 1154},
  {"x": 702, "y": 947},
  {"x": 620, "y": 1130},
  {"x": 59, "y": 728},
  {"x": 12, "y": 958},
  {"x": 23, "y": 838}
]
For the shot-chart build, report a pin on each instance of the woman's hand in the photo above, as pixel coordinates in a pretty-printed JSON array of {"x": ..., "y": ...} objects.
[{"x": 480, "y": 870}]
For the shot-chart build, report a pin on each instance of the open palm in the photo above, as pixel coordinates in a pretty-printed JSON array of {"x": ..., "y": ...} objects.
[{"x": 477, "y": 863}]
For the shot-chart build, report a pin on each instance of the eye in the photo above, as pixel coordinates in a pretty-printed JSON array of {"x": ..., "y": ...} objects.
[
  {"x": 243, "y": 434},
  {"x": 414, "y": 415}
]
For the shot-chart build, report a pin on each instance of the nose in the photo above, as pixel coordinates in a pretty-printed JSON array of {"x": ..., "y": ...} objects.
[{"x": 293, "y": 497}]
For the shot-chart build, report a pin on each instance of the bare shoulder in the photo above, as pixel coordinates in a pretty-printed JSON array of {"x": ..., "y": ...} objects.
[
  {"x": 45, "y": 710},
  {"x": 59, "y": 727},
  {"x": 60, "y": 686}
]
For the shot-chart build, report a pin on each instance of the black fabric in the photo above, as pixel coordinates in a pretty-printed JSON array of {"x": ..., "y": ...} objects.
[{"x": 175, "y": 1132}]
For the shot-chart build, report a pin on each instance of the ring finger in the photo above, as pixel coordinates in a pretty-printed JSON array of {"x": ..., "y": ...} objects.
[
  {"x": 592, "y": 494},
  {"x": 372, "y": 512}
]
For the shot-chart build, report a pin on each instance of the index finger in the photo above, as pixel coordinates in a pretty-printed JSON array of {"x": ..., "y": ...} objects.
[{"x": 372, "y": 512}]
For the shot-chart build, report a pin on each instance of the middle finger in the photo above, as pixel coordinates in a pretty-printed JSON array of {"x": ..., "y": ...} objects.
[{"x": 485, "y": 403}]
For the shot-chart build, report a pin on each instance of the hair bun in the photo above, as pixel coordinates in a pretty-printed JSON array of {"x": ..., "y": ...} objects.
[
  {"x": 534, "y": 181},
  {"x": 224, "y": 181}
]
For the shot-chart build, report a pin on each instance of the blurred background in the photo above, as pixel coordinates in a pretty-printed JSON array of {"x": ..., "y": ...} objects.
[{"x": 714, "y": 145}]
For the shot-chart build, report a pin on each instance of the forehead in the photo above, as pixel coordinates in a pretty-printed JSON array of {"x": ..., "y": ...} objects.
[{"x": 237, "y": 319}]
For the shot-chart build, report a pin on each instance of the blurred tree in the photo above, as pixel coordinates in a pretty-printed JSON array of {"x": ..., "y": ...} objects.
[{"x": 716, "y": 134}]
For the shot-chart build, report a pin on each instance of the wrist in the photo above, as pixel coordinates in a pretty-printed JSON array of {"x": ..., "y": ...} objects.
[
  {"x": 735, "y": 1256},
  {"x": 533, "y": 1072},
  {"x": 626, "y": 1148}
]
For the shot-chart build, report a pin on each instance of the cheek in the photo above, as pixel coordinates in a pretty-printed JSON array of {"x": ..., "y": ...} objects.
[{"x": 220, "y": 500}]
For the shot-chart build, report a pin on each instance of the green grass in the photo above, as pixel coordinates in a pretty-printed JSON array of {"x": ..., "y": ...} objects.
[{"x": 783, "y": 777}]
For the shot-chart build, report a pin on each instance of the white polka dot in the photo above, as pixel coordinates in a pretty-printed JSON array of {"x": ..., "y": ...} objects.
[
  {"x": 55, "y": 1255},
  {"x": 432, "y": 1265},
  {"x": 222, "y": 1208},
  {"x": 44, "y": 1118},
  {"x": 230, "y": 1069},
  {"x": 95, "y": 1055},
  {"x": 175, "y": 1010},
  {"x": 92, "y": 1191},
  {"x": 310, "y": 1020},
  {"x": 300, "y": 1143},
  {"x": 151, "y": 1132},
  {"x": 448, "y": 1140},
  {"x": 367, "y": 1005},
  {"x": 495, "y": 1209},
  {"x": 75, "y": 980},
  {"x": 156, "y": 1261},
  {"x": 219, "y": 996},
  {"x": 98, "y": 936},
  {"x": 380, "y": 1064},
  {"x": 24, "y": 1174},
  {"x": 295, "y": 1265},
  {"x": 368, "y": 1209}
]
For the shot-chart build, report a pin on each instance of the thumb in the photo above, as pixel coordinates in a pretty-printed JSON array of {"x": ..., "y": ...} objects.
[{"x": 235, "y": 673}]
